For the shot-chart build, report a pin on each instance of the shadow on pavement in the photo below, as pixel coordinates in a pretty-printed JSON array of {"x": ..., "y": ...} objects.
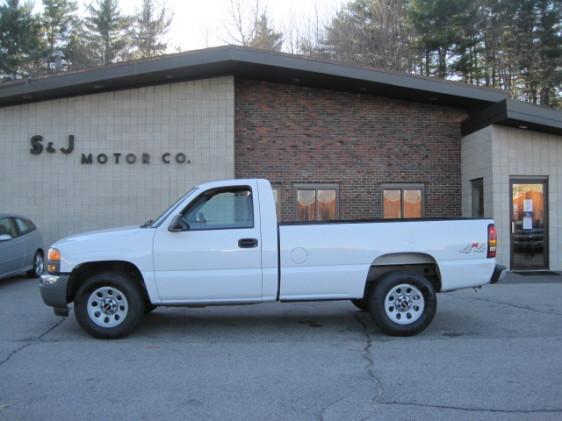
[{"x": 516, "y": 278}]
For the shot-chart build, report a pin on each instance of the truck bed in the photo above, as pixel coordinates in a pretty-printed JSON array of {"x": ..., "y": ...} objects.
[{"x": 331, "y": 260}]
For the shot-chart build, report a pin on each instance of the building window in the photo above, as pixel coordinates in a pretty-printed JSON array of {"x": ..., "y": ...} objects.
[
  {"x": 403, "y": 201},
  {"x": 477, "y": 197},
  {"x": 316, "y": 202}
]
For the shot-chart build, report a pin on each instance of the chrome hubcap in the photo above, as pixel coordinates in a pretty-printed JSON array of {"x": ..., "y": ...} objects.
[
  {"x": 404, "y": 304},
  {"x": 107, "y": 307}
]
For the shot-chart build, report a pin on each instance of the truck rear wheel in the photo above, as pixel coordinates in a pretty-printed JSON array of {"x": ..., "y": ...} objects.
[
  {"x": 403, "y": 303},
  {"x": 109, "y": 306}
]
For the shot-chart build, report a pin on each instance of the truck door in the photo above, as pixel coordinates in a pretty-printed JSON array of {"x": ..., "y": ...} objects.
[{"x": 216, "y": 256}]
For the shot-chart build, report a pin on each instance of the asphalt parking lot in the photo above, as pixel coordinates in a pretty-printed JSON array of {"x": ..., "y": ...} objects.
[{"x": 491, "y": 354}]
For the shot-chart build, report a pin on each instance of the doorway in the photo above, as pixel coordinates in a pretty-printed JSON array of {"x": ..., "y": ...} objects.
[{"x": 529, "y": 223}]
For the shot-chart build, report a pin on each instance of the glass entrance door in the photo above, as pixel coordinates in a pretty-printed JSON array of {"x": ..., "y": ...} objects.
[{"x": 529, "y": 225}]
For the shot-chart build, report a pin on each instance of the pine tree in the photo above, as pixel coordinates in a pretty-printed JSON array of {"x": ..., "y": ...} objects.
[
  {"x": 58, "y": 20},
  {"x": 79, "y": 51},
  {"x": 371, "y": 32},
  {"x": 150, "y": 26},
  {"x": 19, "y": 38},
  {"x": 108, "y": 31},
  {"x": 549, "y": 52},
  {"x": 438, "y": 24},
  {"x": 264, "y": 36}
]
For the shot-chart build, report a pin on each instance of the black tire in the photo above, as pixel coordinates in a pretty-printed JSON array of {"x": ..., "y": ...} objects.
[
  {"x": 149, "y": 308},
  {"x": 38, "y": 265},
  {"x": 361, "y": 303},
  {"x": 425, "y": 314},
  {"x": 134, "y": 299}
]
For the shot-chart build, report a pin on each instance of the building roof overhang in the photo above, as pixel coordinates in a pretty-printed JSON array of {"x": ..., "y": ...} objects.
[{"x": 247, "y": 63}]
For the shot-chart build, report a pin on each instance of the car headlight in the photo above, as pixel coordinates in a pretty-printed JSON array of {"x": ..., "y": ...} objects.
[{"x": 53, "y": 260}]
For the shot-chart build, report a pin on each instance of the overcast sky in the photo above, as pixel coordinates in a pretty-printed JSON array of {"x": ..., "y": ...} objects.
[{"x": 201, "y": 23}]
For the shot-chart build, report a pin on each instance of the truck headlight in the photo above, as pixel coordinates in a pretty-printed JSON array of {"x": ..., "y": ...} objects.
[{"x": 53, "y": 260}]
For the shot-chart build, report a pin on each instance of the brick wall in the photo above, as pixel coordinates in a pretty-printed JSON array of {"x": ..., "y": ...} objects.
[{"x": 290, "y": 134}]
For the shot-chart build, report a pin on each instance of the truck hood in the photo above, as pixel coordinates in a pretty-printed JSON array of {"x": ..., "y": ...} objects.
[
  {"x": 97, "y": 234},
  {"x": 129, "y": 244}
]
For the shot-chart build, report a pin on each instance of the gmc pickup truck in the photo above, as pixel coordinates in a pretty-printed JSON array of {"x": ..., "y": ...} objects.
[{"x": 221, "y": 244}]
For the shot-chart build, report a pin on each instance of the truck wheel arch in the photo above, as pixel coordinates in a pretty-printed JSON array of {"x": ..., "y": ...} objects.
[
  {"x": 419, "y": 262},
  {"x": 88, "y": 269}
]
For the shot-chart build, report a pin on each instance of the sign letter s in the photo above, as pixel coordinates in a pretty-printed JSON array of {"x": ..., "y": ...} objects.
[{"x": 36, "y": 145}]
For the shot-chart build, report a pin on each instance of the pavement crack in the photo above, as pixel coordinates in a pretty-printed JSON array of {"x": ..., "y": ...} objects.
[
  {"x": 366, "y": 354},
  {"x": 53, "y": 327},
  {"x": 323, "y": 412},
  {"x": 369, "y": 368},
  {"x": 519, "y": 307},
  {"x": 14, "y": 352},
  {"x": 33, "y": 341},
  {"x": 475, "y": 409}
]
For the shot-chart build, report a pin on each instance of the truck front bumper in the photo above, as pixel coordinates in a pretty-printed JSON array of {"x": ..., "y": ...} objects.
[
  {"x": 53, "y": 292},
  {"x": 499, "y": 270}
]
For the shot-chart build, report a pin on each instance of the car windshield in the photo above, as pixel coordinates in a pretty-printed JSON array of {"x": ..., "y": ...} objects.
[{"x": 170, "y": 209}]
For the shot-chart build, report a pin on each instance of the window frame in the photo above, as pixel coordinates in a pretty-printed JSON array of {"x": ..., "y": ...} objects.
[
  {"x": 316, "y": 187},
  {"x": 402, "y": 187},
  {"x": 218, "y": 190}
]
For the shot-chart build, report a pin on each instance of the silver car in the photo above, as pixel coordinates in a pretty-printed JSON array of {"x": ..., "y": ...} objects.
[{"x": 21, "y": 247}]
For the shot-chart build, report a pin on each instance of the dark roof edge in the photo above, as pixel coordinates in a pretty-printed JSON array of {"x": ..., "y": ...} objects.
[
  {"x": 403, "y": 80},
  {"x": 487, "y": 106},
  {"x": 525, "y": 112}
]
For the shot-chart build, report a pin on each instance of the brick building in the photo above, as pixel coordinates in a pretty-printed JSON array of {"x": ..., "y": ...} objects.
[{"x": 115, "y": 145}]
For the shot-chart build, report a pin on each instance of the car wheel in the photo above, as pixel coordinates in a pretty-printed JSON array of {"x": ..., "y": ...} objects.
[
  {"x": 38, "y": 265},
  {"x": 109, "y": 305},
  {"x": 361, "y": 303},
  {"x": 403, "y": 303}
]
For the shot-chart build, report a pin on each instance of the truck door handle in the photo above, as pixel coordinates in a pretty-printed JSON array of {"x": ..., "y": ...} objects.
[{"x": 247, "y": 243}]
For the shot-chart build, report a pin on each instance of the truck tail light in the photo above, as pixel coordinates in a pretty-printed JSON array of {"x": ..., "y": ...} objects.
[{"x": 492, "y": 240}]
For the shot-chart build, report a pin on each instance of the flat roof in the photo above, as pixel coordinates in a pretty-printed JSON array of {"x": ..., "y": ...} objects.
[{"x": 249, "y": 63}]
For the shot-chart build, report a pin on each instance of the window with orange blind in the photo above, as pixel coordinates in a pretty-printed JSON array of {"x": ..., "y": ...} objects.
[
  {"x": 316, "y": 202},
  {"x": 402, "y": 201}
]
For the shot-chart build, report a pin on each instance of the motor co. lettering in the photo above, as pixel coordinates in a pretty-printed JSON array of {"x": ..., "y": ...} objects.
[{"x": 39, "y": 145}]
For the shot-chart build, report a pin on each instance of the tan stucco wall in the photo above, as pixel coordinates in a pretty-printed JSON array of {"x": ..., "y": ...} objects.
[
  {"x": 64, "y": 196},
  {"x": 505, "y": 152}
]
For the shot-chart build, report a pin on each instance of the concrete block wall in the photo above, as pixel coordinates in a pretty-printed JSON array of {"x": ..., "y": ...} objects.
[
  {"x": 518, "y": 152},
  {"x": 476, "y": 162},
  {"x": 497, "y": 153},
  {"x": 64, "y": 196}
]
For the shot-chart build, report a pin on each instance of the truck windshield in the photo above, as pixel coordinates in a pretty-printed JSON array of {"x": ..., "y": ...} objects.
[{"x": 168, "y": 211}]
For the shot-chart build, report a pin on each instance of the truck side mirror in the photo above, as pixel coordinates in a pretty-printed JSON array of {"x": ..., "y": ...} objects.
[
  {"x": 5, "y": 237},
  {"x": 178, "y": 224}
]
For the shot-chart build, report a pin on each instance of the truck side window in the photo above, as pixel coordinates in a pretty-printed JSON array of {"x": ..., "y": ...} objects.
[{"x": 224, "y": 208}]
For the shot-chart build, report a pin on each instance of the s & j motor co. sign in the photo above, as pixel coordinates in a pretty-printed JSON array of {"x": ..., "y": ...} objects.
[{"x": 39, "y": 145}]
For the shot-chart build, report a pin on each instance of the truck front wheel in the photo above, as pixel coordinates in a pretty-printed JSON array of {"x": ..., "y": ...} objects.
[
  {"x": 403, "y": 303},
  {"x": 361, "y": 303},
  {"x": 109, "y": 306}
]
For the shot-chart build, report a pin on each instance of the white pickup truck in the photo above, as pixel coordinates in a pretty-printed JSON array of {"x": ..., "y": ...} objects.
[{"x": 221, "y": 244}]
